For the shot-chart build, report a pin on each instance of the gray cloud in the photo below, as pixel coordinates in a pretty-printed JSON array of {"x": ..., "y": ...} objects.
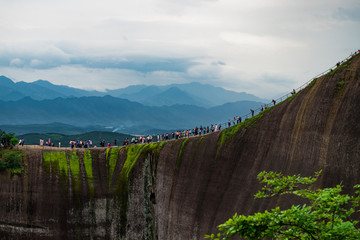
[
  {"x": 352, "y": 14},
  {"x": 137, "y": 63},
  {"x": 57, "y": 57},
  {"x": 232, "y": 43}
]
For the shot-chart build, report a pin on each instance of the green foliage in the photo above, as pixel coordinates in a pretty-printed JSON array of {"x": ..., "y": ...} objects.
[
  {"x": 14, "y": 141},
  {"x": 277, "y": 184},
  {"x": 7, "y": 140},
  {"x": 11, "y": 160},
  {"x": 326, "y": 217}
]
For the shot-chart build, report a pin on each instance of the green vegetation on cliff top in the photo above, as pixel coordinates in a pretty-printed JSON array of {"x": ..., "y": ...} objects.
[
  {"x": 229, "y": 133},
  {"x": 7, "y": 140}
]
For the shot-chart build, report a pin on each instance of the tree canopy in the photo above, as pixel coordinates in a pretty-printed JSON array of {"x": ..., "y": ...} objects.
[
  {"x": 326, "y": 216},
  {"x": 7, "y": 139}
]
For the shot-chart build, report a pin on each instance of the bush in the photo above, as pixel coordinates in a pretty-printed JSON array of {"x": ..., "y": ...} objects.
[
  {"x": 326, "y": 216},
  {"x": 11, "y": 160},
  {"x": 7, "y": 139},
  {"x": 14, "y": 141}
]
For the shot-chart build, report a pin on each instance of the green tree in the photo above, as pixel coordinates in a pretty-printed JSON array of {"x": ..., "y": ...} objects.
[
  {"x": 7, "y": 139},
  {"x": 326, "y": 216},
  {"x": 14, "y": 141}
]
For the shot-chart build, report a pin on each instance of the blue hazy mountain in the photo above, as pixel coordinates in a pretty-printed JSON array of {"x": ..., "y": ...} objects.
[
  {"x": 216, "y": 95},
  {"x": 127, "y": 90},
  {"x": 116, "y": 113},
  {"x": 203, "y": 95},
  {"x": 39, "y": 90},
  {"x": 157, "y": 96},
  {"x": 66, "y": 91},
  {"x": 55, "y": 127},
  {"x": 135, "y": 109}
]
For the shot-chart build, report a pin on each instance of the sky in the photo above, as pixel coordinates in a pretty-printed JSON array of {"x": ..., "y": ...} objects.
[{"x": 263, "y": 47}]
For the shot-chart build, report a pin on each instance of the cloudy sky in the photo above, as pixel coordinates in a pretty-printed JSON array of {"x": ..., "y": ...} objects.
[{"x": 264, "y": 47}]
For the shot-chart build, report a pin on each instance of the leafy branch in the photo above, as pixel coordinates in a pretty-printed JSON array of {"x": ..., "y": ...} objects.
[{"x": 327, "y": 216}]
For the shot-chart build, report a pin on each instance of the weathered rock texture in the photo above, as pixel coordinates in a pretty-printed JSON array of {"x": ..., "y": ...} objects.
[{"x": 183, "y": 189}]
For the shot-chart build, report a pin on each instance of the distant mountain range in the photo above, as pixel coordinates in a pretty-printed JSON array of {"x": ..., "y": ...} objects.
[
  {"x": 135, "y": 109},
  {"x": 120, "y": 114},
  {"x": 55, "y": 127},
  {"x": 38, "y": 90},
  {"x": 197, "y": 94}
]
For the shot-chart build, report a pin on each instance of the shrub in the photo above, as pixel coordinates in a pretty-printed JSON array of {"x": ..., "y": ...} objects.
[{"x": 11, "y": 160}]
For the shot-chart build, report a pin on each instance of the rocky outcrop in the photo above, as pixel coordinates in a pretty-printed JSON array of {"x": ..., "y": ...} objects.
[{"x": 183, "y": 189}]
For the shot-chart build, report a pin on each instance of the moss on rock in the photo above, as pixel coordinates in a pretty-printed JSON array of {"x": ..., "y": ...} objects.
[
  {"x": 75, "y": 171},
  {"x": 111, "y": 164},
  {"x": 89, "y": 171}
]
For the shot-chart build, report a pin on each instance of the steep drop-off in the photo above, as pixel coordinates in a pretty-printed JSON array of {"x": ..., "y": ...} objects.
[{"x": 183, "y": 189}]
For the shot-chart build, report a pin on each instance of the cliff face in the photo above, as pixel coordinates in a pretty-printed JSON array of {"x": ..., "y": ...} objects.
[{"x": 183, "y": 189}]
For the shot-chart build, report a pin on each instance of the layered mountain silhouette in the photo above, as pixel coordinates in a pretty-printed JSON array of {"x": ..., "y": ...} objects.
[
  {"x": 39, "y": 90},
  {"x": 116, "y": 112},
  {"x": 203, "y": 95},
  {"x": 136, "y": 108}
]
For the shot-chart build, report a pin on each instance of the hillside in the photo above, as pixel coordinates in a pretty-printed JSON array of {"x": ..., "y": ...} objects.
[
  {"x": 183, "y": 189},
  {"x": 51, "y": 128}
]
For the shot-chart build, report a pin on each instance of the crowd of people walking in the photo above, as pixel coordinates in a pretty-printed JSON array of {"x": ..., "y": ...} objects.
[{"x": 197, "y": 131}]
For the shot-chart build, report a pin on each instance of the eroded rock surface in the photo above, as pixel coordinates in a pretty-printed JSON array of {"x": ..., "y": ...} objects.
[{"x": 183, "y": 189}]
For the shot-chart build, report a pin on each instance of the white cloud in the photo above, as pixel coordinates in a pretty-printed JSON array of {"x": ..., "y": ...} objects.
[
  {"x": 259, "y": 41},
  {"x": 16, "y": 62}
]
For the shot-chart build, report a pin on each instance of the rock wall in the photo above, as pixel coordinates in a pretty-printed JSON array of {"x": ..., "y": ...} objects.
[{"x": 183, "y": 189}]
